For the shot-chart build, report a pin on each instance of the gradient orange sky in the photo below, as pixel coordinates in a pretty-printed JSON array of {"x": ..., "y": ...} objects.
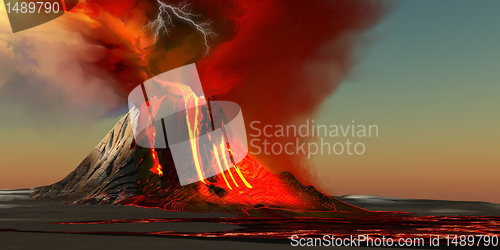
[{"x": 430, "y": 82}]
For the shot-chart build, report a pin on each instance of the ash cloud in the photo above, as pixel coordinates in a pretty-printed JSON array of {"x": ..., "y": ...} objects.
[
  {"x": 284, "y": 60},
  {"x": 43, "y": 79}
]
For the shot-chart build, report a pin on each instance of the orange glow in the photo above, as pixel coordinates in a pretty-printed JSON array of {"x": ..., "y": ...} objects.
[
  {"x": 216, "y": 153},
  {"x": 156, "y": 168},
  {"x": 194, "y": 132},
  {"x": 148, "y": 111},
  {"x": 268, "y": 188},
  {"x": 222, "y": 149}
]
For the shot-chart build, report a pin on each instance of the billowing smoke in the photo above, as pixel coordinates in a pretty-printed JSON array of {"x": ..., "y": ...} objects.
[
  {"x": 278, "y": 59},
  {"x": 284, "y": 59},
  {"x": 45, "y": 79}
]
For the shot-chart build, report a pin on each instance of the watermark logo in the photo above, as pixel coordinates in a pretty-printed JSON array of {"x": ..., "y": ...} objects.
[
  {"x": 298, "y": 139},
  {"x": 206, "y": 137}
]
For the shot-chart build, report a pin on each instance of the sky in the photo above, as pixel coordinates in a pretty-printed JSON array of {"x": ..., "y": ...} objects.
[
  {"x": 429, "y": 80},
  {"x": 431, "y": 84}
]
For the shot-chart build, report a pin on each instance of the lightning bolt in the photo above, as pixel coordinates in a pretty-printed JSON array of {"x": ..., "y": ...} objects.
[{"x": 164, "y": 20}]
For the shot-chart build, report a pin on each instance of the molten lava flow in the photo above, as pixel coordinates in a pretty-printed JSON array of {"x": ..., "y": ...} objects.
[
  {"x": 149, "y": 109},
  {"x": 223, "y": 149},
  {"x": 216, "y": 153},
  {"x": 194, "y": 132},
  {"x": 193, "y": 106},
  {"x": 396, "y": 227},
  {"x": 268, "y": 190},
  {"x": 156, "y": 168}
]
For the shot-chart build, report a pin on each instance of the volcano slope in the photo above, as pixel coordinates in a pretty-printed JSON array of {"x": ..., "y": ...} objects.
[{"x": 119, "y": 172}]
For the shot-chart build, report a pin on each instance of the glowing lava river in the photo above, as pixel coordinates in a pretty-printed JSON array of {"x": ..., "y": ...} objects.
[{"x": 387, "y": 225}]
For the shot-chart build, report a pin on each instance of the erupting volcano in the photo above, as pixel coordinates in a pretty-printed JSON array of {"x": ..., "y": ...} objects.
[
  {"x": 118, "y": 171},
  {"x": 257, "y": 54}
]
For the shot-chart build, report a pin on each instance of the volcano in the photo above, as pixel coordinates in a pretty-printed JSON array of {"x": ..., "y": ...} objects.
[{"x": 119, "y": 172}]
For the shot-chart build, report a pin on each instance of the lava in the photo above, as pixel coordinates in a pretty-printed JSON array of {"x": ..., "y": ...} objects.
[
  {"x": 194, "y": 132},
  {"x": 384, "y": 225}
]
